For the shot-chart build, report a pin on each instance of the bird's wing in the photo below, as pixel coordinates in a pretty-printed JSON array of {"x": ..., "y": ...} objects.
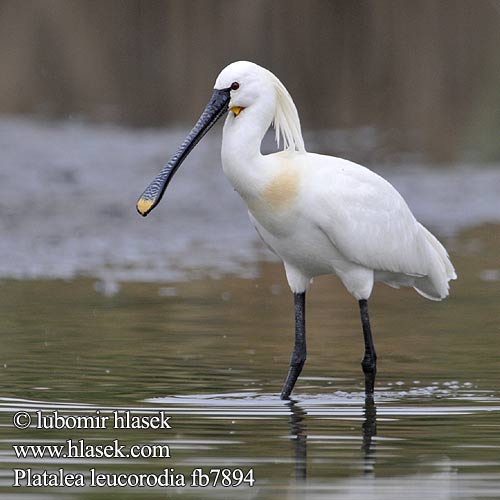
[{"x": 368, "y": 221}]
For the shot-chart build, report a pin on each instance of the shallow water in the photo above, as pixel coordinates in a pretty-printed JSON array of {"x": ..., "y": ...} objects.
[
  {"x": 213, "y": 353},
  {"x": 184, "y": 313}
]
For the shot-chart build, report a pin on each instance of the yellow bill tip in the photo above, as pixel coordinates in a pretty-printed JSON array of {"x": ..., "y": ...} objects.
[{"x": 144, "y": 206}]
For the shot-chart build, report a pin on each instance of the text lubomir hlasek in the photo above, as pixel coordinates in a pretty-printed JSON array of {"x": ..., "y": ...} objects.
[{"x": 117, "y": 419}]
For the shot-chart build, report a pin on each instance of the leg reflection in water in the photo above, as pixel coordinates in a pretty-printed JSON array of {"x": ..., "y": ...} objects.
[
  {"x": 369, "y": 428},
  {"x": 298, "y": 436}
]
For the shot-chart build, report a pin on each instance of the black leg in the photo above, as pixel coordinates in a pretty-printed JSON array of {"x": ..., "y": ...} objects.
[
  {"x": 299, "y": 350},
  {"x": 369, "y": 362}
]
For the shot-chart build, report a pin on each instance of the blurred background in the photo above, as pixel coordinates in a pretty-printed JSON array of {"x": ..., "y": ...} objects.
[
  {"x": 423, "y": 77},
  {"x": 101, "y": 306},
  {"x": 96, "y": 95}
]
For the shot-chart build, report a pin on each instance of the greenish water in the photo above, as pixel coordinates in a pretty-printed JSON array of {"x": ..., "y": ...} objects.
[{"x": 213, "y": 353}]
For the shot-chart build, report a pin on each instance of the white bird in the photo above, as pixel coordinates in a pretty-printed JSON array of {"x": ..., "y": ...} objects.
[{"x": 319, "y": 214}]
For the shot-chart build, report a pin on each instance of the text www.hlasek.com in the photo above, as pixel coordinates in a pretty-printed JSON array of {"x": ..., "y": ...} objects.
[
  {"x": 116, "y": 420},
  {"x": 78, "y": 449}
]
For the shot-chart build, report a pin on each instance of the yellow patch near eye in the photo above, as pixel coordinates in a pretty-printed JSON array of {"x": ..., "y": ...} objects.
[
  {"x": 144, "y": 205},
  {"x": 237, "y": 110}
]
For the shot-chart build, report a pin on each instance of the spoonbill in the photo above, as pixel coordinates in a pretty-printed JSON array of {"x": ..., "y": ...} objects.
[{"x": 319, "y": 214}]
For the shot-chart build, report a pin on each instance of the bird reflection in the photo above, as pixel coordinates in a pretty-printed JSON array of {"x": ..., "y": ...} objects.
[
  {"x": 369, "y": 428},
  {"x": 298, "y": 436}
]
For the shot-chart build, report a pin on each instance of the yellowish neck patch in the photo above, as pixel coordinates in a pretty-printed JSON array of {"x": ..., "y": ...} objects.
[
  {"x": 281, "y": 191},
  {"x": 237, "y": 110}
]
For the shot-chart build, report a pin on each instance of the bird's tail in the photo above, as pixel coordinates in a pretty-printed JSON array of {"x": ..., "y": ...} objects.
[{"x": 435, "y": 285}]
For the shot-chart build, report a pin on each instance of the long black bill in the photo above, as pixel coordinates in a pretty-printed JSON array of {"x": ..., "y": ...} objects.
[{"x": 152, "y": 195}]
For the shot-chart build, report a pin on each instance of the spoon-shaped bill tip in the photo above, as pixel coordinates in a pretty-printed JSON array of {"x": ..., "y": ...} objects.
[
  {"x": 144, "y": 206},
  {"x": 216, "y": 107}
]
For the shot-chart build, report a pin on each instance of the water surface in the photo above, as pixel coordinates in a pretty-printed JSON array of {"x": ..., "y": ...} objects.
[
  {"x": 186, "y": 312},
  {"x": 213, "y": 353}
]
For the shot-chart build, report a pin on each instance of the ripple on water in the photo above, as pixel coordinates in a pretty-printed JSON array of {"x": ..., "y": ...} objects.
[{"x": 330, "y": 439}]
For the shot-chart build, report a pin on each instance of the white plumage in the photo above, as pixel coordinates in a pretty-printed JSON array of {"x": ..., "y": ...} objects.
[{"x": 320, "y": 214}]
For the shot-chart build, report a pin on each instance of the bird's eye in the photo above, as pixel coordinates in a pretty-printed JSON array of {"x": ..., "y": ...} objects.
[{"x": 235, "y": 86}]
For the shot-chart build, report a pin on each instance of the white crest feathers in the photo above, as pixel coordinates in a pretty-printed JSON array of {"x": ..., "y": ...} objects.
[{"x": 286, "y": 120}]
